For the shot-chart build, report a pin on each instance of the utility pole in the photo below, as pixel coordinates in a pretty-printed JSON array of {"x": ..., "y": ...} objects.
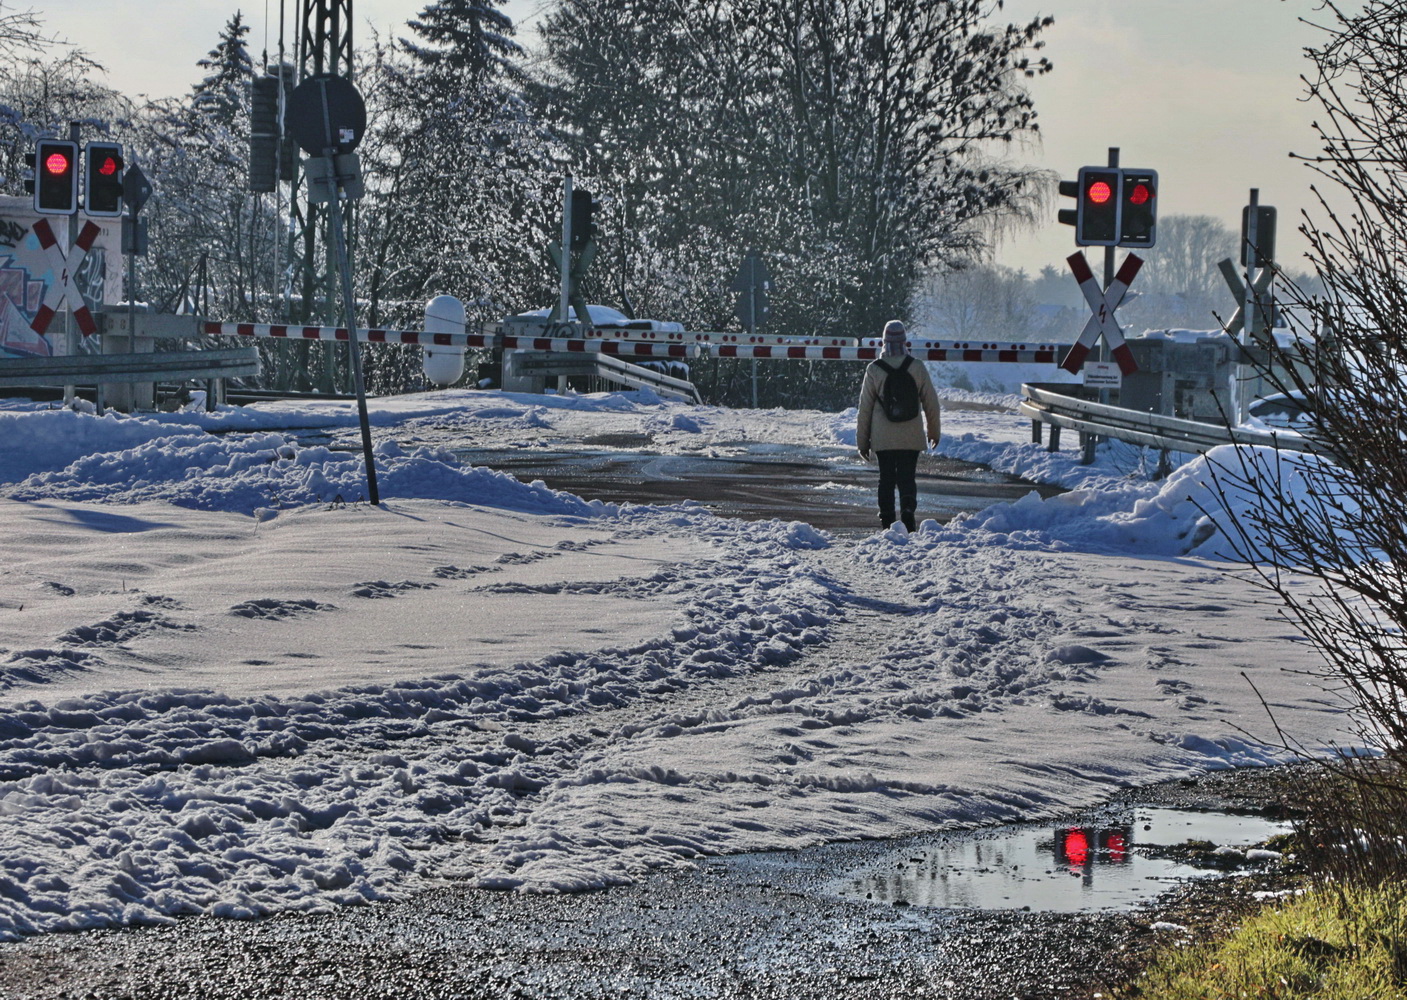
[
  {"x": 565, "y": 268},
  {"x": 1091, "y": 441},
  {"x": 328, "y": 117},
  {"x": 70, "y": 335}
]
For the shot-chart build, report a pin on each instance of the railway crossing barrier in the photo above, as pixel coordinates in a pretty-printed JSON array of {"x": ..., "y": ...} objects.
[
  {"x": 572, "y": 338},
  {"x": 552, "y": 344}
]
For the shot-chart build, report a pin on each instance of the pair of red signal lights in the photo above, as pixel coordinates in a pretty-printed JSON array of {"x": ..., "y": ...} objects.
[
  {"x": 1100, "y": 192},
  {"x": 56, "y": 181},
  {"x": 1114, "y": 206}
]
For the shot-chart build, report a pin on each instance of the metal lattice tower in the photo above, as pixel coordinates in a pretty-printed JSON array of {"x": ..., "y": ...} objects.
[
  {"x": 325, "y": 40},
  {"x": 324, "y": 46}
]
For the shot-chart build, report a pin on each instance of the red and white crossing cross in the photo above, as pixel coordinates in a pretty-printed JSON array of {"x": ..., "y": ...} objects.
[
  {"x": 65, "y": 284},
  {"x": 1102, "y": 304}
]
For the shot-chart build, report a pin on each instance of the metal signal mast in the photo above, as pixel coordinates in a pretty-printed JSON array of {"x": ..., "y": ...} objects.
[{"x": 324, "y": 47}]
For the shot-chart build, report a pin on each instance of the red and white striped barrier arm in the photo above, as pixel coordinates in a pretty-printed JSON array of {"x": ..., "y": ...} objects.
[
  {"x": 1009, "y": 353},
  {"x": 420, "y": 337},
  {"x": 703, "y": 337},
  {"x": 826, "y": 348},
  {"x": 970, "y": 345},
  {"x": 583, "y": 345},
  {"x": 487, "y": 337},
  {"x": 715, "y": 339}
]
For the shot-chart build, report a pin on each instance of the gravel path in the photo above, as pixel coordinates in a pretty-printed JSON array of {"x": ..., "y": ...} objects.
[{"x": 751, "y": 926}]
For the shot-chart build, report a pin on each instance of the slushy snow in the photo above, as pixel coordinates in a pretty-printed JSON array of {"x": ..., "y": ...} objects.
[{"x": 229, "y": 686}]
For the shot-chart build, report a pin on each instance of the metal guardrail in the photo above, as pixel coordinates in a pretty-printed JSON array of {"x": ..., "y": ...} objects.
[
  {"x": 607, "y": 367},
  {"x": 1150, "y": 429},
  {"x": 153, "y": 366}
]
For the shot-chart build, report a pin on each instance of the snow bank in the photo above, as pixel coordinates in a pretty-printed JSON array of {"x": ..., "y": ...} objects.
[
  {"x": 261, "y": 472},
  {"x": 1196, "y": 510},
  {"x": 48, "y": 440}
]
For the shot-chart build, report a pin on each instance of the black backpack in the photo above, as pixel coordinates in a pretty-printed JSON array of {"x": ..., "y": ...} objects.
[{"x": 899, "y": 398}]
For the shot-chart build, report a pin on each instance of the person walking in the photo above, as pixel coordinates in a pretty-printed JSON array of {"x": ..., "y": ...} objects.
[{"x": 896, "y": 399}]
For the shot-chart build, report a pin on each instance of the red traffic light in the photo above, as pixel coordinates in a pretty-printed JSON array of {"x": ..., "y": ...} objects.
[
  {"x": 102, "y": 178},
  {"x": 1100, "y": 192},
  {"x": 1138, "y": 225},
  {"x": 55, "y": 177}
]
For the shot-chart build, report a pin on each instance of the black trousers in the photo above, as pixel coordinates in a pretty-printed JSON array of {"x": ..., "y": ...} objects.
[{"x": 896, "y": 471}]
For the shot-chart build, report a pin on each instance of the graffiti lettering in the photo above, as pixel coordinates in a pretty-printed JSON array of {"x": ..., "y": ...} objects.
[{"x": 11, "y": 233}]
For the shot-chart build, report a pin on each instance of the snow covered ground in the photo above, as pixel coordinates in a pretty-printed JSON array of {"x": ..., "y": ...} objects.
[{"x": 228, "y": 687}]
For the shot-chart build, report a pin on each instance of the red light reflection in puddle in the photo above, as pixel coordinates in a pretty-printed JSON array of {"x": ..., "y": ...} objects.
[{"x": 1083, "y": 847}]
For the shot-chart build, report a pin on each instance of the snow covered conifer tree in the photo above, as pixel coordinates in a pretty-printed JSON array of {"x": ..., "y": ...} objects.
[
  {"x": 223, "y": 96},
  {"x": 469, "y": 37},
  {"x": 195, "y": 152}
]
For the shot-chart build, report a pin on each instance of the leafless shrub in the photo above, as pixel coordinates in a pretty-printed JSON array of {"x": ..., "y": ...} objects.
[{"x": 1328, "y": 534}]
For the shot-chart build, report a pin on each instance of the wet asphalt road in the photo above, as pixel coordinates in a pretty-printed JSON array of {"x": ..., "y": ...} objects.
[
  {"x": 833, "y": 495},
  {"x": 764, "y": 926},
  {"x": 828, "y": 488}
]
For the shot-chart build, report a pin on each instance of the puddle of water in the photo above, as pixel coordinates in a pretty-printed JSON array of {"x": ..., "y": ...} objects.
[{"x": 1062, "y": 869}]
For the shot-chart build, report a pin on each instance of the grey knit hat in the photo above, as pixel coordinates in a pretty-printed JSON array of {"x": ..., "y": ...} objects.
[{"x": 895, "y": 337}]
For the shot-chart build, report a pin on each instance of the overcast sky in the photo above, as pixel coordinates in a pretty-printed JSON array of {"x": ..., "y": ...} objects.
[{"x": 1206, "y": 92}]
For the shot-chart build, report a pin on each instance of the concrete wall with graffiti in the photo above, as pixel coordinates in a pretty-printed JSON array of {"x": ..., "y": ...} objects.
[{"x": 27, "y": 273}]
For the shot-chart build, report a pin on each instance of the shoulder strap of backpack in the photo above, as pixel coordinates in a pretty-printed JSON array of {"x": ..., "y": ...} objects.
[
  {"x": 904, "y": 365},
  {"x": 885, "y": 365}
]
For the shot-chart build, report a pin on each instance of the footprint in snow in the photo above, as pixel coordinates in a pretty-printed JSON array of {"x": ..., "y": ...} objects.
[
  {"x": 522, "y": 558},
  {"x": 461, "y": 573},
  {"x": 273, "y": 609},
  {"x": 121, "y": 627},
  {"x": 43, "y": 666},
  {"x": 380, "y": 588},
  {"x": 574, "y": 545}
]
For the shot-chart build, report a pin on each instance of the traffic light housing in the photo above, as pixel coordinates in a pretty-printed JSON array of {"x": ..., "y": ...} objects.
[
  {"x": 1113, "y": 207},
  {"x": 1138, "y": 215},
  {"x": 1262, "y": 254},
  {"x": 583, "y": 217},
  {"x": 264, "y": 135},
  {"x": 1069, "y": 216},
  {"x": 102, "y": 178},
  {"x": 56, "y": 177},
  {"x": 1097, "y": 207}
]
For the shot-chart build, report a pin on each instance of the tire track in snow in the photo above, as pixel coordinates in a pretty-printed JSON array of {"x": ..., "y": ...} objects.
[
  {"x": 899, "y": 656},
  {"x": 137, "y": 806}
]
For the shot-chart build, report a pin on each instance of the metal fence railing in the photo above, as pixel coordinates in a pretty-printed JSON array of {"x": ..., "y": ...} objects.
[
  {"x": 152, "y": 366},
  {"x": 609, "y": 368},
  {"x": 1149, "y": 429}
]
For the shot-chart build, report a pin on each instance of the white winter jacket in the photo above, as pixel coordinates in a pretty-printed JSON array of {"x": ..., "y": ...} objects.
[{"x": 875, "y": 432}]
